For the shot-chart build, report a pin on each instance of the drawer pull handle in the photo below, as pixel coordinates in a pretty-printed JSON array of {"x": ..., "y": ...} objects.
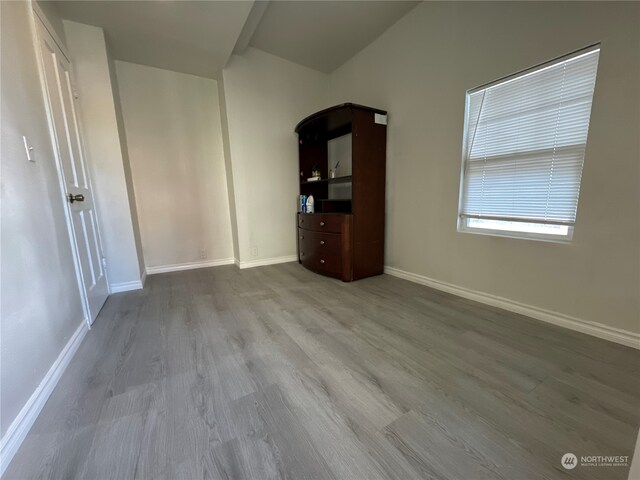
[
  {"x": 322, "y": 224},
  {"x": 321, "y": 261},
  {"x": 321, "y": 242},
  {"x": 301, "y": 237}
]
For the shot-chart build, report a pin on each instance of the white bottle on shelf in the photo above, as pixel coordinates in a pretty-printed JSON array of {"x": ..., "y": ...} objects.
[{"x": 310, "y": 204}]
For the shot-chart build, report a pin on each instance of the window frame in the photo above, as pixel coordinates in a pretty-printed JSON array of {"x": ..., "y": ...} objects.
[
  {"x": 463, "y": 227},
  {"x": 462, "y": 223}
]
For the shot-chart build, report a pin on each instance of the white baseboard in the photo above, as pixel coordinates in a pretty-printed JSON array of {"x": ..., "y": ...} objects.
[
  {"x": 126, "y": 286},
  {"x": 599, "y": 330},
  {"x": 15, "y": 435},
  {"x": 189, "y": 266},
  {"x": 266, "y": 261},
  {"x": 216, "y": 263}
]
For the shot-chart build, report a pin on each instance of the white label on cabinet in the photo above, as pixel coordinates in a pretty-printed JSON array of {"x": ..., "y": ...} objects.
[{"x": 380, "y": 119}]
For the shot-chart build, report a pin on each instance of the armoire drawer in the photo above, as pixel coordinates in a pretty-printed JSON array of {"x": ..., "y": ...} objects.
[
  {"x": 321, "y": 252},
  {"x": 320, "y": 222}
]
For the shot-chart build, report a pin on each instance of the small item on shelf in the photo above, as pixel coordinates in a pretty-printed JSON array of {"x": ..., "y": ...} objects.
[
  {"x": 303, "y": 203},
  {"x": 310, "y": 204},
  {"x": 332, "y": 174},
  {"x": 315, "y": 172},
  {"x": 335, "y": 170},
  {"x": 313, "y": 179}
]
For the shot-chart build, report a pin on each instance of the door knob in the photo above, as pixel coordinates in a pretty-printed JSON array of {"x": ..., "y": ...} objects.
[{"x": 75, "y": 198}]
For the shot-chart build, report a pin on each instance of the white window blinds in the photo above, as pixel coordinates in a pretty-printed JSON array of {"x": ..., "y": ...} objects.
[{"x": 525, "y": 143}]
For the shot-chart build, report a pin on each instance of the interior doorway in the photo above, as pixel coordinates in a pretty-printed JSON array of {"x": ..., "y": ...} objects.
[{"x": 75, "y": 182}]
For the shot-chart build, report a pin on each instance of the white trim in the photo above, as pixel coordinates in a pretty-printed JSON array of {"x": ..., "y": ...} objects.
[
  {"x": 126, "y": 286},
  {"x": 23, "y": 422},
  {"x": 188, "y": 266},
  {"x": 216, "y": 263},
  {"x": 618, "y": 335},
  {"x": 267, "y": 261},
  {"x": 463, "y": 227},
  {"x": 52, "y": 31}
]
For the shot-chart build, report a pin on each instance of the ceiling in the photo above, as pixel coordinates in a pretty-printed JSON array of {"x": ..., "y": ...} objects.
[
  {"x": 198, "y": 37},
  {"x": 184, "y": 36},
  {"x": 324, "y": 34}
]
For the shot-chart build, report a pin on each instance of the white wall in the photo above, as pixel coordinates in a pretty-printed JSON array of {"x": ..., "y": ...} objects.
[
  {"x": 266, "y": 97},
  {"x": 105, "y": 153},
  {"x": 420, "y": 69},
  {"x": 128, "y": 176},
  {"x": 174, "y": 138},
  {"x": 40, "y": 301},
  {"x": 228, "y": 168}
]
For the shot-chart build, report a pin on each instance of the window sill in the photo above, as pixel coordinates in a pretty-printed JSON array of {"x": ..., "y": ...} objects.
[{"x": 564, "y": 239}]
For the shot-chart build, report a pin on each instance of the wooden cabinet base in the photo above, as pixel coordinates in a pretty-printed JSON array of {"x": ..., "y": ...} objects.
[{"x": 325, "y": 246}]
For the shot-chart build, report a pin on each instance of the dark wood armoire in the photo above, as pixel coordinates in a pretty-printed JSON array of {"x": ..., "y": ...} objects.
[{"x": 344, "y": 237}]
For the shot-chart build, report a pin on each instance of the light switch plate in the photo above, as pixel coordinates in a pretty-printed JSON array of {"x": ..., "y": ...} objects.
[{"x": 29, "y": 149}]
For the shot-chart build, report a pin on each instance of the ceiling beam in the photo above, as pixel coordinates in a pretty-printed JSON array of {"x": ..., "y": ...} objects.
[{"x": 250, "y": 25}]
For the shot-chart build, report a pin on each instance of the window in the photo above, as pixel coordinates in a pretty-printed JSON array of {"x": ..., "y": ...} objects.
[{"x": 523, "y": 150}]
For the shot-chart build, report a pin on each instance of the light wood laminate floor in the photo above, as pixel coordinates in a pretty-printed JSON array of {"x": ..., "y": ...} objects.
[{"x": 275, "y": 372}]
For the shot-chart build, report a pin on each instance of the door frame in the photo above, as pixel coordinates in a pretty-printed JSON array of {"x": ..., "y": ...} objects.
[{"x": 37, "y": 16}]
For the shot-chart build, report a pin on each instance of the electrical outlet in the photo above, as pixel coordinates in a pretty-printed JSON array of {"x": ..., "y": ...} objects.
[
  {"x": 203, "y": 253},
  {"x": 254, "y": 252}
]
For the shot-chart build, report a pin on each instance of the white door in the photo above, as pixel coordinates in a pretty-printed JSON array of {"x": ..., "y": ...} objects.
[{"x": 72, "y": 168}]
